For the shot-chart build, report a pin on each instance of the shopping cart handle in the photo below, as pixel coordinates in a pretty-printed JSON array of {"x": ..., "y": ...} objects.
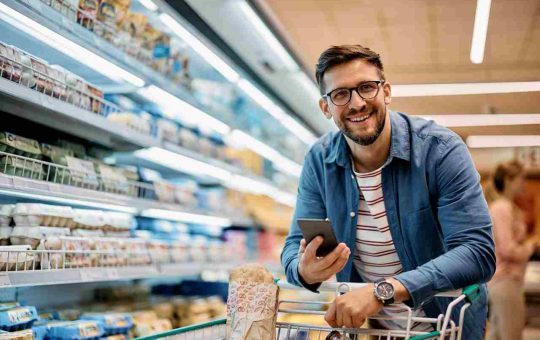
[{"x": 471, "y": 292}]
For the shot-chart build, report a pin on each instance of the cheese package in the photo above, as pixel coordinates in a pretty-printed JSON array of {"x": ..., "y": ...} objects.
[{"x": 252, "y": 304}]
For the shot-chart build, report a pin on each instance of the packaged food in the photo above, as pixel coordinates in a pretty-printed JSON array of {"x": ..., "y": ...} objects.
[
  {"x": 56, "y": 155},
  {"x": 8, "y": 305},
  {"x": 76, "y": 330},
  {"x": 77, "y": 90},
  {"x": 78, "y": 150},
  {"x": 17, "y": 145},
  {"x": 5, "y": 233},
  {"x": 32, "y": 236},
  {"x": 58, "y": 79},
  {"x": 252, "y": 303},
  {"x": 167, "y": 130},
  {"x": 35, "y": 74},
  {"x": 96, "y": 98},
  {"x": 87, "y": 13},
  {"x": 132, "y": 120},
  {"x": 113, "y": 180},
  {"x": 132, "y": 27},
  {"x": 21, "y": 167},
  {"x": 5, "y": 214},
  {"x": 159, "y": 250},
  {"x": 110, "y": 13},
  {"x": 67, "y": 7},
  {"x": 40, "y": 328},
  {"x": 16, "y": 258},
  {"x": 164, "y": 191},
  {"x": 179, "y": 252},
  {"x": 88, "y": 219},
  {"x": 114, "y": 323},
  {"x": 36, "y": 214},
  {"x": 134, "y": 252},
  {"x": 18, "y": 318},
  {"x": 69, "y": 244},
  {"x": 82, "y": 173},
  {"x": 26, "y": 334},
  {"x": 87, "y": 233},
  {"x": 188, "y": 138},
  {"x": 118, "y": 221},
  {"x": 107, "y": 245},
  {"x": 10, "y": 63}
]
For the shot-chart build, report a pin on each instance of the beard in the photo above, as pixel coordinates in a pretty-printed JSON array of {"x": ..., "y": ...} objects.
[{"x": 366, "y": 139}]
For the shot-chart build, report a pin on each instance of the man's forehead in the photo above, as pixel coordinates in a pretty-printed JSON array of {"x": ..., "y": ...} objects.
[{"x": 353, "y": 72}]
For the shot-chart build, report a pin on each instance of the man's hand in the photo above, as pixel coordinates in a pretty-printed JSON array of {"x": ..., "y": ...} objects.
[
  {"x": 315, "y": 269},
  {"x": 353, "y": 308}
]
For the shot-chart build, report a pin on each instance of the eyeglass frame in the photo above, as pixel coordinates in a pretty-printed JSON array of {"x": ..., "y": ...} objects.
[{"x": 378, "y": 82}]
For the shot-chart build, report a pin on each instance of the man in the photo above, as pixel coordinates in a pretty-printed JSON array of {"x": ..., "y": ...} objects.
[{"x": 402, "y": 195}]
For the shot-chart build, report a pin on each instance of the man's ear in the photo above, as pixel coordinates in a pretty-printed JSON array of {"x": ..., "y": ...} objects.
[
  {"x": 323, "y": 104},
  {"x": 387, "y": 88}
]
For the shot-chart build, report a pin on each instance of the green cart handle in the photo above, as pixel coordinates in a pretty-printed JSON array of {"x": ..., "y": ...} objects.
[{"x": 471, "y": 292}]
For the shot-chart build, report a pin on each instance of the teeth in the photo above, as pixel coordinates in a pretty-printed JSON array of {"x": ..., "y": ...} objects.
[{"x": 360, "y": 119}]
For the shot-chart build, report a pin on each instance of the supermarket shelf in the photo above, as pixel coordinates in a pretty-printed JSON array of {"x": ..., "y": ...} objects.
[
  {"x": 84, "y": 275},
  {"x": 32, "y": 105}
]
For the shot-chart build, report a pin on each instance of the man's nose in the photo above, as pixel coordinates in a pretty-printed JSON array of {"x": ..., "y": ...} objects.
[{"x": 356, "y": 101}]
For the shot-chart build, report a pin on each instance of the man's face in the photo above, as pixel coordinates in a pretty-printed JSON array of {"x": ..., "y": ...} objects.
[{"x": 360, "y": 120}]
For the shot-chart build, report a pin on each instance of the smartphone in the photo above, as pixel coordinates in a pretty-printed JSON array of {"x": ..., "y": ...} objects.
[{"x": 312, "y": 228}]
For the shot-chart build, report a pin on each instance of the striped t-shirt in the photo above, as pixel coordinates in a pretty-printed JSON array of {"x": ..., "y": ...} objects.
[{"x": 375, "y": 255}]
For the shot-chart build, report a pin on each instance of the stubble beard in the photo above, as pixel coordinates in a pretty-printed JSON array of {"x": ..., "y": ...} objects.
[{"x": 370, "y": 139}]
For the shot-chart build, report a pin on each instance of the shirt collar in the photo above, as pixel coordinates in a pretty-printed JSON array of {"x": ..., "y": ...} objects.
[{"x": 400, "y": 144}]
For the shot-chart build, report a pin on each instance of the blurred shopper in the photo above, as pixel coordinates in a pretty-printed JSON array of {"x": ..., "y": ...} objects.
[
  {"x": 403, "y": 196},
  {"x": 507, "y": 300}
]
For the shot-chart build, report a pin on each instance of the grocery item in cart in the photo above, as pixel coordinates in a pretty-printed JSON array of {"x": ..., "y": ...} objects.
[
  {"x": 75, "y": 330},
  {"x": 10, "y": 63},
  {"x": 17, "y": 145},
  {"x": 252, "y": 304},
  {"x": 35, "y": 74},
  {"x": 36, "y": 214},
  {"x": 113, "y": 323},
  {"x": 66, "y": 7},
  {"x": 18, "y": 318},
  {"x": 5, "y": 214}
]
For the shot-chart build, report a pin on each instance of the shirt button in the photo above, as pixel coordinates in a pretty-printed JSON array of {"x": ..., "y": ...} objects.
[
  {"x": 352, "y": 214},
  {"x": 352, "y": 176}
]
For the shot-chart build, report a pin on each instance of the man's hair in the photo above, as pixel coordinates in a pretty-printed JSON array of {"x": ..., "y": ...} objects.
[{"x": 337, "y": 55}]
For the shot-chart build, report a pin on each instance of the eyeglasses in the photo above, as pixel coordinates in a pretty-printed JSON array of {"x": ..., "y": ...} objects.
[{"x": 366, "y": 90}]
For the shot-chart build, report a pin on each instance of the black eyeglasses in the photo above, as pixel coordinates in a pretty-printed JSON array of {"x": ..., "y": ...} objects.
[{"x": 366, "y": 90}]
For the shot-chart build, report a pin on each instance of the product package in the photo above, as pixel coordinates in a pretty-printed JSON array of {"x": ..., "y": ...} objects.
[{"x": 252, "y": 304}]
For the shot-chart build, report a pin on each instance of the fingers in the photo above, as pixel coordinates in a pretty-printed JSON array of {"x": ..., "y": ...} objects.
[
  {"x": 337, "y": 266},
  {"x": 302, "y": 246},
  {"x": 330, "y": 316},
  {"x": 312, "y": 246},
  {"x": 347, "y": 320},
  {"x": 358, "y": 321},
  {"x": 338, "y": 253}
]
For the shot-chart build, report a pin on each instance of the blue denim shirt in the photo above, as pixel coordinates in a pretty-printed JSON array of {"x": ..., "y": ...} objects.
[{"x": 438, "y": 216}]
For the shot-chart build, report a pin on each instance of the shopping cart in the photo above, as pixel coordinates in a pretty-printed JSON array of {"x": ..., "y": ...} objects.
[{"x": 444, "y": 327}]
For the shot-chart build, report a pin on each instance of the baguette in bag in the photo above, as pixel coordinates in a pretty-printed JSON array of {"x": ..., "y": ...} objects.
[{"x": 252, "y": 304}]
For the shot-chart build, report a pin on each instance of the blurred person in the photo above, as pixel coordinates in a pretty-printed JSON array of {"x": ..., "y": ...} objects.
[
  {"x": 403, "y": 196},
  {"x": 506, "y": 295}
]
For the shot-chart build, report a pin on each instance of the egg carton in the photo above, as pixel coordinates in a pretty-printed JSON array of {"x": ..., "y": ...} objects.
[
  {"x": 11, "y": 165},
  {"x": 88, "y": 219},
  {"x": 32, "y": 236},
  {"x": 135, "y": 251},
  {"x": 113, "y": 323},
  {"x": 25, "y": 334},
  {"x": 18, "y": 318},
  {"x": 76, "y": 330},
  {"x": 17, "y": 257},
  {"x": 6, "y": 211},
  {"x": 36, "y": 214}
]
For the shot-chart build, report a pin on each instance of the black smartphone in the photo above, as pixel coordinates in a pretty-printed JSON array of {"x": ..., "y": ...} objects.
[{"x": 312, "y": 228}]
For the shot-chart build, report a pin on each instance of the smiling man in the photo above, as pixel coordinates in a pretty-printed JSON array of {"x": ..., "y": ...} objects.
[{"x": 403, "y": 197}]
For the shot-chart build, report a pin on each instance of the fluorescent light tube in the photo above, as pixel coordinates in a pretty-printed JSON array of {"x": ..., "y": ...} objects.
[
  {"x": 69, "y": 201},
  {"x": 280, "y": 162},
  {"x": 275, "y": 111},
  {"x": 484, "y": 119},
  {"x": 175, "y": 108},
  {"x": 216, "y": 62},
  {"x": 186, "y": 217},
  {"x": 246, "y": 184},
  {"x": 481, "y": 21},
  {"x": 503, "y": 141},
  {"x": 67, "y": 47},
  {"x": 271, "y": 41},
  {"x": 149, "y": 4},
  {"x": 421, "y": 90},
  {"x": 182, "y": 163},
  {"x": 285, "y": 198}
]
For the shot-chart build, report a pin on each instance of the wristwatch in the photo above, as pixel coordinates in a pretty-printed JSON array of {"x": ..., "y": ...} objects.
[{"x": 384, "y": 291}]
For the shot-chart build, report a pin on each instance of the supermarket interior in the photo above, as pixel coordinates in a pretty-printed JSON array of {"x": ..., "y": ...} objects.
[{"x": 149, "y": 148}]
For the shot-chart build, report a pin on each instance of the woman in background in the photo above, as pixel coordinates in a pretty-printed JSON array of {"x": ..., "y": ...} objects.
[{"x": 507, "y": 300}]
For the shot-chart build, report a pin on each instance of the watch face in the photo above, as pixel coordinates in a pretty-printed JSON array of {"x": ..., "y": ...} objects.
[{"x": 385, "y": 290}]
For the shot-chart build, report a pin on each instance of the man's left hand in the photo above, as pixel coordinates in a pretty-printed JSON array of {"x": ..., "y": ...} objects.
[{"x": 353, "y": 308}]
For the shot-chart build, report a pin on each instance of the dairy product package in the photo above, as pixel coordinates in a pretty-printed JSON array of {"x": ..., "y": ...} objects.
[
  {"x": 17, "y": 145},
  {"x": 10, "y": 63},
  {"x": 36, "y": 214},
  {"x": 75, "y": 330},
  {"x": 87, "y": 13},
  {"x": 113, "y": 323},
  {"x": 6, "y": 211},
  {"x": 18, "y": 318}
]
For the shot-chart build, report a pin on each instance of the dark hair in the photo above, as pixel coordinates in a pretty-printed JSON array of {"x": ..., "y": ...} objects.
[
  {"x": 337, "y": 55},
  {"x": 507, "y": 170}
]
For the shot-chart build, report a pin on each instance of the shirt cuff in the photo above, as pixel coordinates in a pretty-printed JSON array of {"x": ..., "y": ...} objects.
[{"x": 312, "y": 287}]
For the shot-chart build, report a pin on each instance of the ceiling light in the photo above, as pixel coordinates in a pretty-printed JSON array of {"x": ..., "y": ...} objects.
[
  {"x": 182, "y": 163},
  {"x": 275, "y": 111},
  {"x": 186, "y": 217},
  {"x": 69, "y": 48},
  {"x": 271, "y": 41},
  {"x": 216, "y": 62},
  {"x": 149, "y": 4},
  {"x": 281, "y": 162},
  {"x": 421, "y": 90},
  {"x": 484, "y": 119},
  {"x": 481, "y": 21},
  {"x": 504, "y": 141},
  {"x": 177, "y": 109}
]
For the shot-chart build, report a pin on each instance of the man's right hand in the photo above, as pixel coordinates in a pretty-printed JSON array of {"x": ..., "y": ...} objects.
[{"x": 315, "y": 269}]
